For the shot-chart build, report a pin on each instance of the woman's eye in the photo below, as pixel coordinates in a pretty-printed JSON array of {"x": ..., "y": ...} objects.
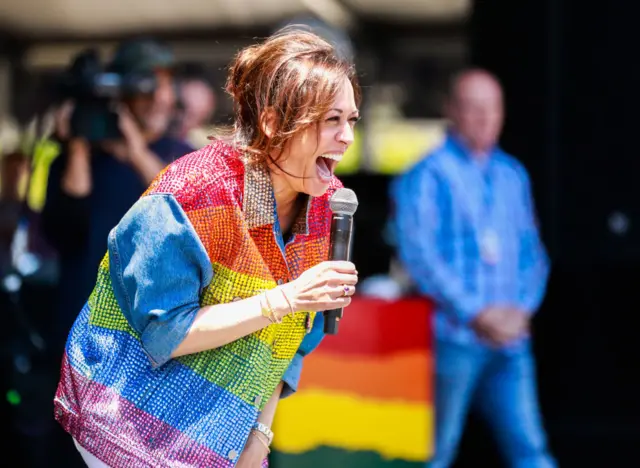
[
  {"x": 354, "y": 120},
  {"x": 335, "y": 118}
]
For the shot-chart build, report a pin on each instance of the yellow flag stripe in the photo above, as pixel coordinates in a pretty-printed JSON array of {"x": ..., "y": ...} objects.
[{"x": 314, "y": 418}]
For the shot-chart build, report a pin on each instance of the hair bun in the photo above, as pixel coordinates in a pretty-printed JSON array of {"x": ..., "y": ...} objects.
[{"x": 244, "y": 62}]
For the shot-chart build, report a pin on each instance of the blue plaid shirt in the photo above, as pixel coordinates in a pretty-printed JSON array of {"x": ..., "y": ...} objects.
[{"x": 466, "y": 233}]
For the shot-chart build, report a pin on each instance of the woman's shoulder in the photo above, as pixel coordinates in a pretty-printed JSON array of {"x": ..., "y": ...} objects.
[{"x": 212, "y": 172}]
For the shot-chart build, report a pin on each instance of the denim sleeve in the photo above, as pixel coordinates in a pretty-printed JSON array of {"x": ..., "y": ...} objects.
[
  {"x": 310, "y": 342},
  {"x": 158, "y": 269}
]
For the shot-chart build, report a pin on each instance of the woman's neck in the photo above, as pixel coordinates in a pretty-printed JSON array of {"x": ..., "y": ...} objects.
[{"x": 287, "y": 201}]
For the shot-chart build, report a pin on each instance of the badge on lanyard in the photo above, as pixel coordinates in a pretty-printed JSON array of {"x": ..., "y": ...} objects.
[{"x": 490, "y": 246}]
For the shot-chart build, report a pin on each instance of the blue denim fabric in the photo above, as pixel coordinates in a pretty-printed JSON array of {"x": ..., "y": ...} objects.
[
  {"x": 502, "y": 387},
  {"x": 443, "y": 206},
  {"x": 159, "y": 268}
]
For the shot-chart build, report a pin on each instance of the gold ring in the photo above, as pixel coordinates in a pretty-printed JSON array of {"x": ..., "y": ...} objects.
[{"x": 346, "y": 291}]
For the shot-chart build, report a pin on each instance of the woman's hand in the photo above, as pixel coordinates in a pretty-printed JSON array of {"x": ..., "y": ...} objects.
[
  {"x": 326, "y": 286},
  {"x": 253, "y": 454}
]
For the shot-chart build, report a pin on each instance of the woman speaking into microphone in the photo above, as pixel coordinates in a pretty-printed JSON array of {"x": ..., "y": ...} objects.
[{"x": 208, "y": 297}]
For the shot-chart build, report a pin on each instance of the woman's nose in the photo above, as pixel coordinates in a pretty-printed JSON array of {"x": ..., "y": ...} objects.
[{"x": 346, "y": 134}]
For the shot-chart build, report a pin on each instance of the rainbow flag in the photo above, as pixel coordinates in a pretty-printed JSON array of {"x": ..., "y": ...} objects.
[{"x": 365, "y": 398}]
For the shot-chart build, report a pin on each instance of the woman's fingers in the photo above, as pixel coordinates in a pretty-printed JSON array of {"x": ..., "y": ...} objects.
[
  {"x": 326, "y": 286},
  {"x": 337, "y": 293},
  {"x": 340, "y": 266},
  {"x": 341, "y": 279}
]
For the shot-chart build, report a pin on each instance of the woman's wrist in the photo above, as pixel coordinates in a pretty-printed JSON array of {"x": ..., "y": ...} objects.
[
  {"x": 288, "y": 291},
  {"x": 260, "y": 440},
  {"x": 267, "y": 310},
  {"x": 263, "y": 434},
  {"x": 264, "y": 431},
  {"x": 279, "y": 302}
]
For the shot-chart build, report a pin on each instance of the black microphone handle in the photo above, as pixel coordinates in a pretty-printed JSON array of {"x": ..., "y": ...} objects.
[{"x": 339, "y": 249}]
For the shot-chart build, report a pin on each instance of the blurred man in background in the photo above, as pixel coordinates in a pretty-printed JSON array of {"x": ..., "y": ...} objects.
[
  {"x": 111, "y": 156},
  {"x": 467, "y": 235}
]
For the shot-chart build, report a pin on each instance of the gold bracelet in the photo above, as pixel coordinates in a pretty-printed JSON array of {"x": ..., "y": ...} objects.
[
  {"x": 273, "y": 317},
  {"x": 264, "y": 310},
  {"x": 257, "y": 436},
  {"x": 288, "y": 301}
]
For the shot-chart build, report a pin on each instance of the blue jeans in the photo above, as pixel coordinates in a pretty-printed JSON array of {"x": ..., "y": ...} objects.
[{"x": 502, "y": 387}]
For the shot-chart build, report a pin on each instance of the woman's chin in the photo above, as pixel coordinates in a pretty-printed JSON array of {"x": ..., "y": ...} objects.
[{"x": 316, "y": 187}]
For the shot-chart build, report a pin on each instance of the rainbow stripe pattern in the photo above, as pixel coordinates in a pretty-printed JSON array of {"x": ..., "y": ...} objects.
[
  {"x": 196, "y": 410},
  {"x": 366, "y": 398}
]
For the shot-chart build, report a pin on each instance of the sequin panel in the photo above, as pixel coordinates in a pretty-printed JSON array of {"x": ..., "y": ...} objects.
[{"x": 196, "y": 410}]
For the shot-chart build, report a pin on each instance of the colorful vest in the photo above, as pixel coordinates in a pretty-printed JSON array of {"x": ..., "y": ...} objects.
[{"x": 196, "y": 410}]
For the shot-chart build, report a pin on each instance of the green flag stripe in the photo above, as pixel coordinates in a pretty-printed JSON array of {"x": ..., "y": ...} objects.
[{"x": 325, "y": 457}]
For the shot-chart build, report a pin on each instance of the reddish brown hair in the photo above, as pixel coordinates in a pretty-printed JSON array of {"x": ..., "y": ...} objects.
[{"x": 296, "y": 76}]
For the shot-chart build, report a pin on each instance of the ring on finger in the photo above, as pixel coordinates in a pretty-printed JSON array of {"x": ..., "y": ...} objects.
[{"x": 346, "y": 291}]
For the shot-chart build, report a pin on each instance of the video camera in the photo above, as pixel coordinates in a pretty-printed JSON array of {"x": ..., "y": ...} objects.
[{"x": 95, "y": 92}]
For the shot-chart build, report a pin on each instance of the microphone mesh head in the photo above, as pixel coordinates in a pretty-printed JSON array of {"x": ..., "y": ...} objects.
[{"x": 344, "y": 201}]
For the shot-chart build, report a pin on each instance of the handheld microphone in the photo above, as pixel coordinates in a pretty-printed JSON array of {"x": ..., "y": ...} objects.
[{"x": 344, "y": 204}]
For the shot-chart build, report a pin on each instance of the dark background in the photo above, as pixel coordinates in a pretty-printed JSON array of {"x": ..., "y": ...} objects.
[{"x": 571, "y": 78}]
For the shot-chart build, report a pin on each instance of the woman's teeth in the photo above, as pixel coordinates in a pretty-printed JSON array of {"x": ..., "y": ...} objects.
[{"x": 334, "y": 156}]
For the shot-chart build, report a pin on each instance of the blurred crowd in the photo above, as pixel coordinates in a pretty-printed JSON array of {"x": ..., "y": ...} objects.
[
  {"x": 463, "y": 223},
  {"x": 113, "y": 126}
]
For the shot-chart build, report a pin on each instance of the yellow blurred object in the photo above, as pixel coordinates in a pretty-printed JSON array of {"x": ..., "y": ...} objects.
[
  {"x": 39, "y": 151},
  {"x": 398, "y": 145},
  {"x": 44, "y": 153},
  {"x": 395, "y": 144}
]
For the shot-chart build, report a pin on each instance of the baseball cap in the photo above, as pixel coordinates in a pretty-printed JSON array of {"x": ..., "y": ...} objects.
[{"x": 141, "y": 55}]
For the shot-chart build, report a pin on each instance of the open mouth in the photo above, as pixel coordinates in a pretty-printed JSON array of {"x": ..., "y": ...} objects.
[{"x": 326, "y": 165}]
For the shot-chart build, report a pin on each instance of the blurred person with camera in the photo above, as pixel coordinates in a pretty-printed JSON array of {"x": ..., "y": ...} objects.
[
  {"x": 210, "y": 293},
  {"x": 114, "y": 135},
  {"x": 467, "y": 236}
]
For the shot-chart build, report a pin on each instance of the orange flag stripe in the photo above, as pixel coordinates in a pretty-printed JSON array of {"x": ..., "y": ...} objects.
[{"x": 400, "y": 376}]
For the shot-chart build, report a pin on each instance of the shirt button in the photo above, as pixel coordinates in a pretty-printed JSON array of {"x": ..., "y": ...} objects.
[
  {"x": 236, "y": 299},
  {"x": 258, "y": 400},
  {"x": 233, "y": 455},
  {"x": 280, "y": 281}
]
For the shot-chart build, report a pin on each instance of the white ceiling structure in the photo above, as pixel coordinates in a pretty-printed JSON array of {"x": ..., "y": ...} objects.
[{"x": 87, "y": 18}]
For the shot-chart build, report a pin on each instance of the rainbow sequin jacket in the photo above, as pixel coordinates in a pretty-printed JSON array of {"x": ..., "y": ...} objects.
[{"x": 215, "y": 238}]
